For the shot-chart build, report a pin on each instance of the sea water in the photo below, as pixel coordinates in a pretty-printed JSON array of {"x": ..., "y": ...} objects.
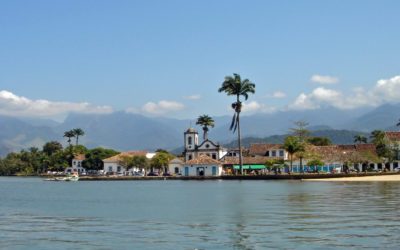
[{"x": 37, "y": 214}]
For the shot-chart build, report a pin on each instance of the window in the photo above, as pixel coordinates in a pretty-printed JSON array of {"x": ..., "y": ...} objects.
[
  {"x": 189, "y": 157},
  {"x": 281, "y": 153},
  {"x": 74, "y": 162},
  {"x": 273, "y": 153},
  {"x": 119, "y": 169},
  {"x": 79, "y": 163},
  {"x": 190, "y": 140},
  {"x": 176, "y": 170},
  {"x": 109, "y": 169},
  {"x": 207, "y": 145},
  {"x": 267, "y": 153},
  {"x": 214, "y": 156}
]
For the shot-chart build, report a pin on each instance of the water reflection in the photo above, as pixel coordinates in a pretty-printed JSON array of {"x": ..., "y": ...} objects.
[{"x": 199, "y": 215}]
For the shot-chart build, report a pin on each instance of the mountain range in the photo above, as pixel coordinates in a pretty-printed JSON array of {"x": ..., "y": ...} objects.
[{"x": 125, "y": 131}]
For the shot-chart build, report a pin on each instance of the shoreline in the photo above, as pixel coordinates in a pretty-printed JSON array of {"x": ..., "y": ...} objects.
[
  {"x": 376, "y": 178},
  {"x": 306, "y": 177}
]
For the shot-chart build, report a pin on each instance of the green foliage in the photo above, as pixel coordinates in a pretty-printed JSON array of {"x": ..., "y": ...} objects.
[
  {"x": 78, "y": 132},
  {"x": 140, "y": 162},
  {"x": 52, "y": 147},
  {"x": 360, "y": 139},
  {"x": 205, "y": 121},
  {"x": 319, "y": 141},
  {"x": 315, "y": 163},
  {"x": 161, "y": 160},
  {"x": 94, "y": 158}
]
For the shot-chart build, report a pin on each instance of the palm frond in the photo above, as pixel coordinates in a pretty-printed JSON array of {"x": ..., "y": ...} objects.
[{"x": 233, "y": 122}]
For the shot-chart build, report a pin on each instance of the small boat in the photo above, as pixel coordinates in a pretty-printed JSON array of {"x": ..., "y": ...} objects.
[{"x": 73, "y": 177}]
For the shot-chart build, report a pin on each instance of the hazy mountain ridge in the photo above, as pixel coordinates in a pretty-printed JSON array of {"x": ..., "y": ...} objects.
[{"x": 124, "y": 131}]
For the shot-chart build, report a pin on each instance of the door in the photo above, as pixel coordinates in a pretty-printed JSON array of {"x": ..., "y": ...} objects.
[
  {"x": 186, "y": 171},
  {"x": 214, "y": 170}
]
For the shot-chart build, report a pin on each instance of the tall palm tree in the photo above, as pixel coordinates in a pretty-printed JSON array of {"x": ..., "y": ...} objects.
[
  {"x": 358, "y": 139},
  {"x": 78, "y": 132},
  {"x": 233, "y": 85},
  {"x": 205, "y": 121},
  {"x": 69, "y": 134}
]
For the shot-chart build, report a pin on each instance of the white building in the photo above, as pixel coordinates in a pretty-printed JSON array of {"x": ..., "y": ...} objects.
[
  {"x": 271, "y": 151},
  {"x": 202, "y": 166},
  {"x": 76, "y": 165},
  {"x": 193, "y": 149},
  {"x": 175, "y": 166},
  {"x": 117, "y": 163}
]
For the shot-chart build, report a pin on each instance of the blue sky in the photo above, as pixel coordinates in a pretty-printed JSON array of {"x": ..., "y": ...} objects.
[{"x": 170, "y": 57}]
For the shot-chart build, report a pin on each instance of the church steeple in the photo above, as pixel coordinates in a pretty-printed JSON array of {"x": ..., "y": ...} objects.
[{"x": 191, "y": 139}]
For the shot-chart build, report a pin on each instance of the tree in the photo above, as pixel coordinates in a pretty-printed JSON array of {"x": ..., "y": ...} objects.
[
  {"x": 140, "y": 162},
  {"x": 52, "y": 147},
  {"x": 78, "y": 132},
  {"x": 359, "y": 139},
  {"x": 319, "y": 141},
  {"x": 315, "y": 163},
  {"x": 234, "y": 86},
  {"x": 301, "y": 130},
  {"x": 205, "y": 121},
  {"x": 292, "y": 145},
  {"x": 381, "y": 144},
  {"x": 94, "y": 158},
  {"x": 377, "y": 137},
  {"x": 302, "y": 133},
  {"x": 69, "y": 134},
  {"x": 160, "y": 161}
]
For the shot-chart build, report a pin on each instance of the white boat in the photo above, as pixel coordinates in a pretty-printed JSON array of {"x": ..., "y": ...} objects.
[{"x": 66, "y": 178}]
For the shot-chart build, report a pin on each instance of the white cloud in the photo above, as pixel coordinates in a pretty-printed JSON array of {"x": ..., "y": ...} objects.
[
  {"x": 11, "y": 104},
  {"x": 279, "y": 94},
  {"x": 162, "y": 107},
  {"x": 324, "y": 79},
  {"x": 253, "y": 107},
  {"x": 385, "y": 91},
  {"x": 192, "y": 97}
]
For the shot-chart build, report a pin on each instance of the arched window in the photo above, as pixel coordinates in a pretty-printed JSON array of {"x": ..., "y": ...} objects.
[{"x": 190, "y": 140}]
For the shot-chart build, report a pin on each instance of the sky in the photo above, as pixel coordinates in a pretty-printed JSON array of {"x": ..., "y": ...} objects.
[{"x": 168, "y": 58}]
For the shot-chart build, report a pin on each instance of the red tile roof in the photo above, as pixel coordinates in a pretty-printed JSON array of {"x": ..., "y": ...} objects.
[
  {"x": 203, "y": 160},
  {"x": 79, "y": 157},
  {"x": 262, "y": 148},
  {"x": 119, "y": 157},
  {"x": 393, "y": 135},
  {"x": 229, "y": 160}
]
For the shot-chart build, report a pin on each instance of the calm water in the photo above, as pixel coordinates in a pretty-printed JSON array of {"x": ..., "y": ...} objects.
[{"x": 35, "y": 214}]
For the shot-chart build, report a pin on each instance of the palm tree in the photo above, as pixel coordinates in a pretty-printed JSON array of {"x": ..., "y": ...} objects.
[
  {"x": 78, "y": 132},
  {"x": 378, "y": 137},
  {"x": 233, "y": 85},
  {"x": 205, "y": 121},
  {"x": 292, "y": 145},
  {"x": 358, "y": 139},
  {"x": 69, "y": 134}
]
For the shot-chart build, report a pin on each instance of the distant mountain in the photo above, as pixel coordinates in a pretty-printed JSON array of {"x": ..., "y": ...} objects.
[
  {"x": 336, "y": 136},
  {"x": 384, "y": 117},
  {"x": 16, "y": 135},
  {"x": 123, "y": 131}
]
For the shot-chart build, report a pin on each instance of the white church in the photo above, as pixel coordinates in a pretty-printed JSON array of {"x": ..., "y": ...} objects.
[{"x": 200, "y": 159}]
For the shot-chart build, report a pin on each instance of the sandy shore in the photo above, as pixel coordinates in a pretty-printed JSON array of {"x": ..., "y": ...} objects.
[{"x": 361, "y": 178}]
